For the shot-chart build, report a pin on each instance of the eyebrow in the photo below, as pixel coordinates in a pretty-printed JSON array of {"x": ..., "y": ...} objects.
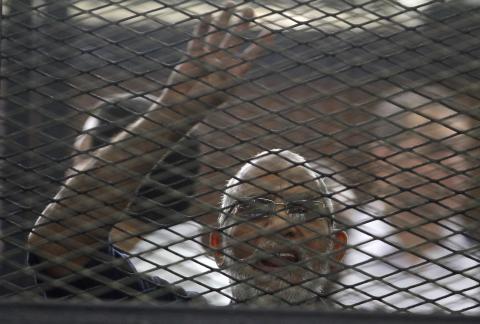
[
  {"x": 264, "y": 195},
  {"x": 302, "y": 196},
  {"x": 292, "y": 197}
]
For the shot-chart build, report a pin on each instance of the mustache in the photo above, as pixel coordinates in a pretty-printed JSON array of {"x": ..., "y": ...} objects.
[{"x": 269, "y": 248}]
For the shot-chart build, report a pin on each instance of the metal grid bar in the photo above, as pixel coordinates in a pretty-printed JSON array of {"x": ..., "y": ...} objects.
[{"x": 380, "y": 100}]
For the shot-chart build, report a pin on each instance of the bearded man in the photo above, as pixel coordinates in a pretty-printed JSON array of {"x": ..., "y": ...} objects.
[
  {"x": 276, "y": 233},
  {"x": 277, "y": 238}
]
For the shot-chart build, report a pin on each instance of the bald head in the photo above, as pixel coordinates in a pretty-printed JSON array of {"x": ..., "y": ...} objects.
[{"x": 276, "y": 173}]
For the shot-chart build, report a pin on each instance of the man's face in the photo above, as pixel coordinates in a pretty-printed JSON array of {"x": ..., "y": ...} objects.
[{"x": 278, "y": 239}]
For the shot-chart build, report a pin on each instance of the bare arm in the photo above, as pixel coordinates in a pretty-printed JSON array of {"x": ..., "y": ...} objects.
[{"x": 87, "y": 206}]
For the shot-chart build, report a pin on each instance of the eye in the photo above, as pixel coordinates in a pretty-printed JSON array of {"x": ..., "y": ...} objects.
[
  {"x": 252, "y": 211},
  {"x": 243, "y": 208},
  {"x": 297, "y": 208},
  {"x": 257, "y": 213}
]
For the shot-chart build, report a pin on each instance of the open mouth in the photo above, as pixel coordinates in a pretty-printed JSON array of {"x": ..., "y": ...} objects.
[{"x": 276, "y": 260}]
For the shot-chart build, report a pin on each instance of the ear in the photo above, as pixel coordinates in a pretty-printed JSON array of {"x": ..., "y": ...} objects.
[
  {"x": 339, "y": 243},
  {"x": 216, "y": 245}
]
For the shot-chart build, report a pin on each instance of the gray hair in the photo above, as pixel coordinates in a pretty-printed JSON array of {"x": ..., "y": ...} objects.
[{"x": 284, "y": 159}]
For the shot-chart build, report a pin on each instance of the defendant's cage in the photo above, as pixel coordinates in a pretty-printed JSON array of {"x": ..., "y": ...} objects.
[{"x": 381, "y": 98}]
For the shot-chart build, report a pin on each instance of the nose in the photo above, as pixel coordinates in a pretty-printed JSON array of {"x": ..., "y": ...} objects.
[{"x": 280, "y": 224}]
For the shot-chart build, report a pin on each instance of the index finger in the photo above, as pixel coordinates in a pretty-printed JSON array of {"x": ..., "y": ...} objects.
[{"x": 197, "y": 45}]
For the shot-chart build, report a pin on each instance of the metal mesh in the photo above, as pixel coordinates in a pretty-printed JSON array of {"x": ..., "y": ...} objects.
[{"x": 157, "y": 148}]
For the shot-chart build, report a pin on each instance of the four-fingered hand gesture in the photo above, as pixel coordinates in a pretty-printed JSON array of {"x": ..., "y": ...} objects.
[{"x": 217, "y": 56}]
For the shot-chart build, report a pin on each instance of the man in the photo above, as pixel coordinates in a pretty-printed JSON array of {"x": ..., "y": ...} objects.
[
  {"x": 277, "y": 240},
  {"x": 71, "y": 239}
]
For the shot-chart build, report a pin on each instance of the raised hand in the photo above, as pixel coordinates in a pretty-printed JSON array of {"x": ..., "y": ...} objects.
[{"x": 216, "y": 56}]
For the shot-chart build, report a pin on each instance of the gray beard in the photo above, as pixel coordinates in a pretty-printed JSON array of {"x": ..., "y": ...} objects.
[{"x": 252, "y": 286}]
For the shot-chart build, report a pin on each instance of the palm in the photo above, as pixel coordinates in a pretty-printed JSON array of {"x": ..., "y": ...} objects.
[{"x": 215, "y": 55}]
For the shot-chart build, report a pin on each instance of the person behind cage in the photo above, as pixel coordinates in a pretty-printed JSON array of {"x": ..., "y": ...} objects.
[
  {"x": 163, "y": 194},
  {"x": 276, "y": 237}
]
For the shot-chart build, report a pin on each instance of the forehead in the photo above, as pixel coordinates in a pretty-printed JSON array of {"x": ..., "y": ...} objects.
[{"x": 294, "y": 182}]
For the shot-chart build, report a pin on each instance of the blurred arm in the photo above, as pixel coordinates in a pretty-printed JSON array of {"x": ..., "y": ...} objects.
[{"x": 79, "y": 219}]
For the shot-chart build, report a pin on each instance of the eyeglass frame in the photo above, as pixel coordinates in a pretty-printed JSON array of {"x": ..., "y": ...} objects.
[{"x": 329, "y": 216}]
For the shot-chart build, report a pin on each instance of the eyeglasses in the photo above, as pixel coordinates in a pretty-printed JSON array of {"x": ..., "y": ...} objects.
[{"x": 299, "y": 211}]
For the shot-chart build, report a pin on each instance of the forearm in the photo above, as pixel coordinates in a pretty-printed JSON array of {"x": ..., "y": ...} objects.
[{"x": 90, "y": 203}]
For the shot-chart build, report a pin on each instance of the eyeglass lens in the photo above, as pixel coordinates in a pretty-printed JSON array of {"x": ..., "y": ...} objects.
[{"x": 301, "y": 210}]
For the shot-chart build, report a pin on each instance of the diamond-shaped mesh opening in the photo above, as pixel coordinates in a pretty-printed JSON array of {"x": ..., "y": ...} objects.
[{"x": 321, "y": 154}]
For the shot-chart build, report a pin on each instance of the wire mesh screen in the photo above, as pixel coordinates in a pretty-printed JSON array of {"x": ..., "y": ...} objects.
[{"x": 322, "y": 154}]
